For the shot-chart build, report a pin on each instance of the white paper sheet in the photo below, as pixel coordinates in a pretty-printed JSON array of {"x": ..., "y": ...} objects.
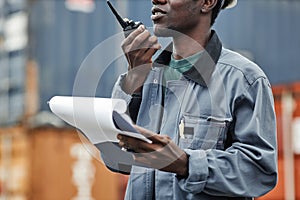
[{"x": 94, "y": 117}]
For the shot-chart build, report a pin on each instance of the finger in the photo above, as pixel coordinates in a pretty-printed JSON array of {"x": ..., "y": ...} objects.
[
  {"x": 128, "y": 142},
  {"x": 128, "y": 40},
  {"x": 156, "y": 46},
  {"x": 148, "y": 50},
  {"x": 148, "y": 40},
  {"x": 141, "y": 41},
  {"x": 144, "y": 57},
  {"x": 136, "y": 145},
  {"x": 155, "y": 138},
  {"x": 151, "y": 51}
]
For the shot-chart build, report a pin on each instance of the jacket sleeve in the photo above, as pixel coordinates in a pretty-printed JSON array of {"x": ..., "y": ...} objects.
[
  {"x": 133, "y": 101},
  {"x": 248, "y": 167},
  {"x": 114, "y": 158},
  {"x": 118, "y": 91}
]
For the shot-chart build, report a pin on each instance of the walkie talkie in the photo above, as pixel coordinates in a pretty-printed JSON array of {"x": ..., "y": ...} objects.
[{"x": 127, "y": 25}]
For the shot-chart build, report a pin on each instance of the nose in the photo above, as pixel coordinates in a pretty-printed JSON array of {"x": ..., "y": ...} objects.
[{"x": 155, "y": 2}]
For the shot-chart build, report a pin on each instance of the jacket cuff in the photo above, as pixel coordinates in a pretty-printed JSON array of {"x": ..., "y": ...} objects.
[
  {"x": 198, "y": 172},
  {"x": 118, "y": 92}
]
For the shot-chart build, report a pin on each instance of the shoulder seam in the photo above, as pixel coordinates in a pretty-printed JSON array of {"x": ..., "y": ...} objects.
[{"x": 249, "y": 81}]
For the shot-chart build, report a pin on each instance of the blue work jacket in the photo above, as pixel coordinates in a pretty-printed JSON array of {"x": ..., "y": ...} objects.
[{"x": 226, "y": 104}]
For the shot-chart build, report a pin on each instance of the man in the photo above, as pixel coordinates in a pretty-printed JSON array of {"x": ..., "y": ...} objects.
[{"x": 208, "y": 111}]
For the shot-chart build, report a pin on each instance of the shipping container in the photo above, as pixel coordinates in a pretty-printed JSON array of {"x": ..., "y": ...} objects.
[{"x": 46, "y": 163}]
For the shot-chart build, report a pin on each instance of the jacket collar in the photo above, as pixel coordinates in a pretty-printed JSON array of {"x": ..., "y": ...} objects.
[{"x": 204, "y": 67}]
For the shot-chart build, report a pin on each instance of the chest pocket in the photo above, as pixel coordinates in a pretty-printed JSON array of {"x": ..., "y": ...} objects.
[{"x": 203, "y": 132}]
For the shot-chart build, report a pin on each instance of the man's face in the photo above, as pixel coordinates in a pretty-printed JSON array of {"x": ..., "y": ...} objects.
[{"x": 177, "y": 15}]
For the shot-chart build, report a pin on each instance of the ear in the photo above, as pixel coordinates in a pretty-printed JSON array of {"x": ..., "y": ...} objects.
[{"x": 208, "y": 5}]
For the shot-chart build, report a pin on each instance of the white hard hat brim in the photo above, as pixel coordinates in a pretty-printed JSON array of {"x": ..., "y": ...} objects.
[{"x": 232, "y": 4}]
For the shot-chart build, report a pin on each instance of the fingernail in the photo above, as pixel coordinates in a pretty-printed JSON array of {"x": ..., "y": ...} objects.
[
  {"x": 157, "y": 46},
  {"x": 142, "y": 27},
  {"x": 119, "y": 137}
]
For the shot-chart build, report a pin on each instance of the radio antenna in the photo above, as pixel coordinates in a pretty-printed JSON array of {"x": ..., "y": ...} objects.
[{"x": 119, "y": 18}]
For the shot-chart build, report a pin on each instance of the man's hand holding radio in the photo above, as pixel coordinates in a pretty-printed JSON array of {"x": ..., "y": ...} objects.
[{"x": 138, "y": 47}]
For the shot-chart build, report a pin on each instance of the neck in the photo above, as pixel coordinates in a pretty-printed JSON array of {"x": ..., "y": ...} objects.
[{"x": 185, "y": 45}]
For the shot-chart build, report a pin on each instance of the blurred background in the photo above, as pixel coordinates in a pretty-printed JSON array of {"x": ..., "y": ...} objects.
[{"x": 43, "y": 43}]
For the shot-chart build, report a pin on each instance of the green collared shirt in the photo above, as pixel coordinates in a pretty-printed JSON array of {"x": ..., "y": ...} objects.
[{"x": 178, "y": 67}]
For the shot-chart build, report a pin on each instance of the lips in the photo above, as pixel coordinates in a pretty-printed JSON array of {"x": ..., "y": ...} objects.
[{"x": 157, "y": 13}]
